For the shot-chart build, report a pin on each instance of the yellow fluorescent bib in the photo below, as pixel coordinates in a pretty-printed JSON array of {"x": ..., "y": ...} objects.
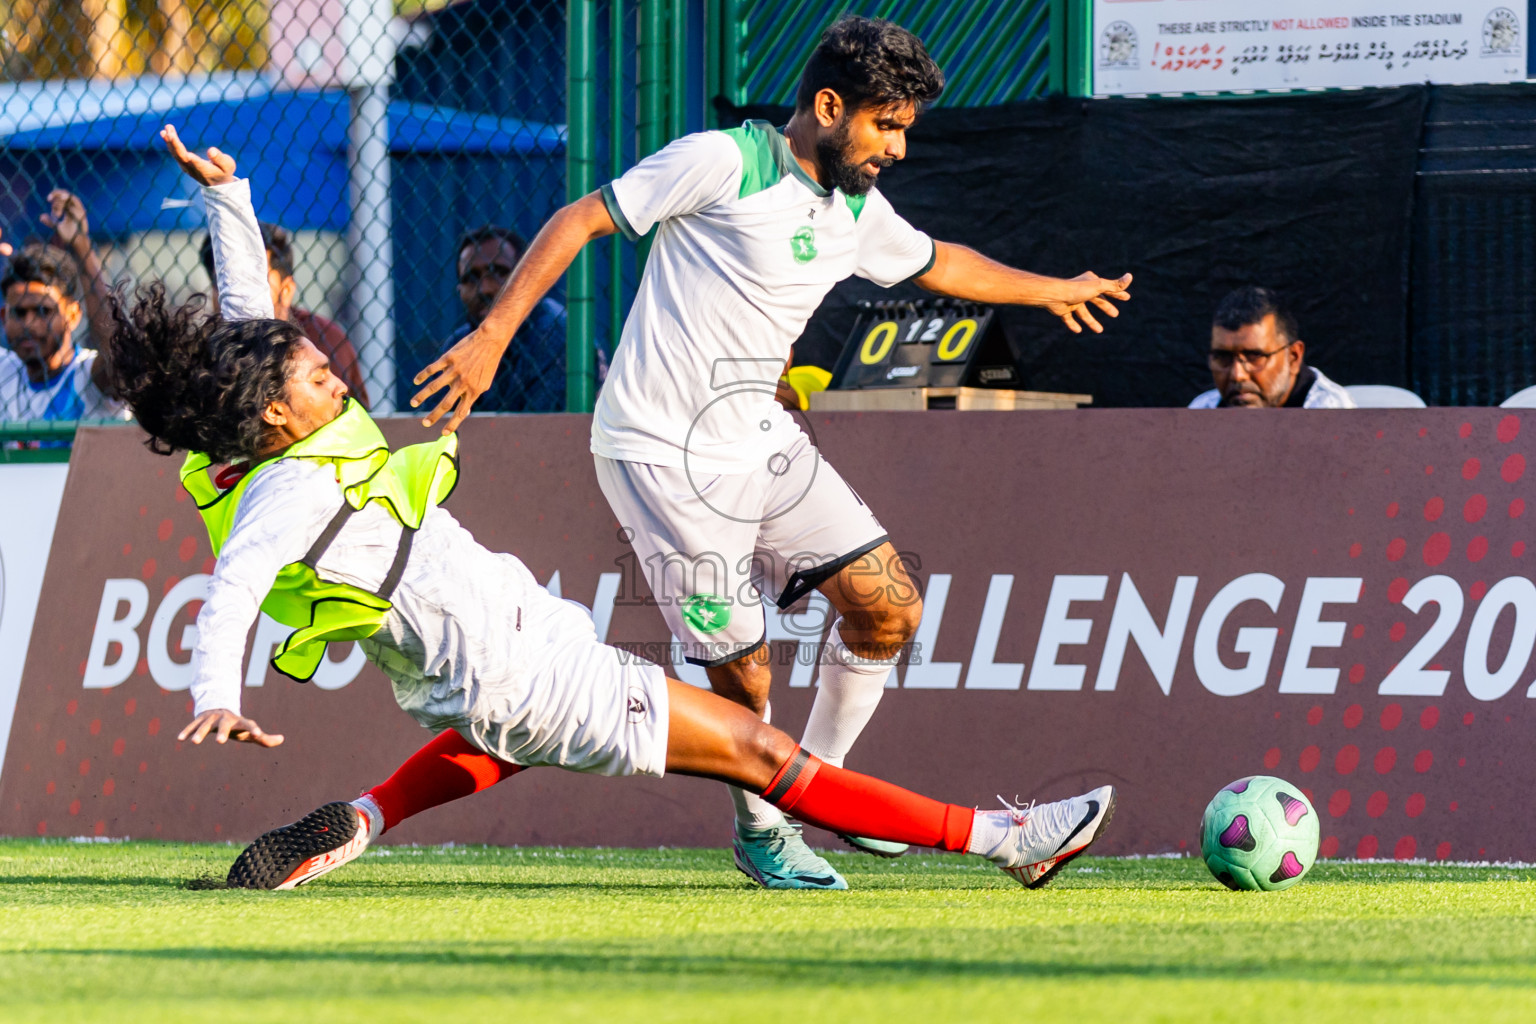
[{"x": 407, "y": 483}]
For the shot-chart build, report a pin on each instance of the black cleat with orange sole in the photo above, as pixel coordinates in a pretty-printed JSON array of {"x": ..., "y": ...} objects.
[{"x": 321, "y": 841}]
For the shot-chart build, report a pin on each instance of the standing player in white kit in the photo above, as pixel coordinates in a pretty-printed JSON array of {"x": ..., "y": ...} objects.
[{"x": 717, "y": 486}]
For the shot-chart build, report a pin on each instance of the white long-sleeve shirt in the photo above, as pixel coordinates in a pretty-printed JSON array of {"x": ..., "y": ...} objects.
[{"x": 455, "y": 645}]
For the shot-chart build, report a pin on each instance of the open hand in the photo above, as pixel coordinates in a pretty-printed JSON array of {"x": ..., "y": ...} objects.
[
  {"x": 226, "y": 725},
  {"x": 217, "y": 168},
  {"x": 1085, "y": 290},
  {"x": 466, "y": 371},
  {"x": 66, "y": 215}
]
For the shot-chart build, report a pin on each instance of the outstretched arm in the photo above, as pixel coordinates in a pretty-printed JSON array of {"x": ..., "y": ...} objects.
[
  {"x": 239, "y": 254},
  {"x": 466, "y": 370},
  {"x": 964, "y": 273},
  {"x": 72, "y": 233}
]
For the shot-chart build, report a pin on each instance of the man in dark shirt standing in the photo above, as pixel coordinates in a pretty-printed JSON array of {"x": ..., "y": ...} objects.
[
  {"x": 326, "y": 334},
  {"x": 532, "y": 373}
]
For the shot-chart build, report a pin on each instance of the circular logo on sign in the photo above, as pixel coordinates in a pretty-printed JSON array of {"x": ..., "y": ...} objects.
[
  {"x": 1117, "y": 46},
  {"x": 1501, "y": 33}
]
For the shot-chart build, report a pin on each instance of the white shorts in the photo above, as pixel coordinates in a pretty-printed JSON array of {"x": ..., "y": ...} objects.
[
  {"x": 596, "y": 709},
  {"x": 713, "y": 547},
  {"x": 473, "y": 643}
]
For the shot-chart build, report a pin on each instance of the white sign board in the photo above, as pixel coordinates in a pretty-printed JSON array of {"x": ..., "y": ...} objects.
[
  {"x": 1178, "y": 46},
  {"x": 29, "y": 505}
]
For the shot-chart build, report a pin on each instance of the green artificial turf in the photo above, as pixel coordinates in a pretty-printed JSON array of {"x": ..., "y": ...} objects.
[{"x": 110, "y": 932}]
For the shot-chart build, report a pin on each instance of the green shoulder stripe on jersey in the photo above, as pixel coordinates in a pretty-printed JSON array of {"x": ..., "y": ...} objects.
[
  {"x": 933, "y": 257},
  {"x": 612, "y": 202},
  {"x": 855, "y": 205},
  {"x": 766, "y": 159}
]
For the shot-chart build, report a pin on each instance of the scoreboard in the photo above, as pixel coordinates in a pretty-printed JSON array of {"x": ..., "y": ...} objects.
[{"x": 927, "y": 343}]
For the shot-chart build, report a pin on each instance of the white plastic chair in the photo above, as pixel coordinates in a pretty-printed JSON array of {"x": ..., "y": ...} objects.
[
  {"x": 1383, "y": 396},
  {"x": 1525, "y": 399}
]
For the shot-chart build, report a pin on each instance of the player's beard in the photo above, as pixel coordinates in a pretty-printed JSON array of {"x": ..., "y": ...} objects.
[{"x": 832, "y": 154}]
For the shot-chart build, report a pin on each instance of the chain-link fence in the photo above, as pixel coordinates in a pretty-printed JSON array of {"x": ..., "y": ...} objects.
[{"x": 400, "y": 156}]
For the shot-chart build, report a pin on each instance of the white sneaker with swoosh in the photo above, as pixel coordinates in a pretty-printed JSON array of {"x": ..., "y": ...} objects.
[{"x": 1039, "y": 839}]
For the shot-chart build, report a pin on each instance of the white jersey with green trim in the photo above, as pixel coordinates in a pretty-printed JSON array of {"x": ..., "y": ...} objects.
[{"x": 747, "y": 245}]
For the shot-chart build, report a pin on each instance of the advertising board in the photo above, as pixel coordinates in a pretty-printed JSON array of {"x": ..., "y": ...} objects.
[
  {"x": 1163, "y": 599},
  {"x": 1178, "y": 46}
]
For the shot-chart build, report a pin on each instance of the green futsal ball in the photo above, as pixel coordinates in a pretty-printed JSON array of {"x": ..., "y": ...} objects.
[{"x": 1259, "y": 833}]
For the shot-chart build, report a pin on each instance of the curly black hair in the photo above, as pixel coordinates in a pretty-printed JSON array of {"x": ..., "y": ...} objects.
[
  {"x": 196, "y": 382},
  {"x": 870, "y": 62}
]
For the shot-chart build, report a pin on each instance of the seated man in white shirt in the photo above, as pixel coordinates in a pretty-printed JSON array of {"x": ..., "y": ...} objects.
[{"x": 1258, "y": 360}]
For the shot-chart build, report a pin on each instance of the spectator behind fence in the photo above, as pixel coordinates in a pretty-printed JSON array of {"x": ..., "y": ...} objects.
[
  {"x": 326, "y": 335},
  {"x": 532, "y": 373},
  {"x": 43, "y": 376},
  {"x": 1258, "y": 361}
]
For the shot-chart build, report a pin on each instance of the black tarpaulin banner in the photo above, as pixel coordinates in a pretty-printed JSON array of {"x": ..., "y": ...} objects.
[{"x": 1309, "y": 194}]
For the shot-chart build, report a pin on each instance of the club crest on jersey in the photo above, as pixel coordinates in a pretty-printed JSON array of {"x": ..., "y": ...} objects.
[
  {"x": 803, "y": 244},
  {"x": 707, "y": 613}
]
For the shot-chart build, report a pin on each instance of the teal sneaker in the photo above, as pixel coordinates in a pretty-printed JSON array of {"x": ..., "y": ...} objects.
[
  {"x": 875, "y": 847},
  {"x": 777, "y": 858}
]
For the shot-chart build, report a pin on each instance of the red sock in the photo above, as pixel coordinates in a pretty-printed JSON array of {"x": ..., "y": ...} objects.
[
  {"x": 447, "y": 768},
  {"x": 842, "y": 801}
]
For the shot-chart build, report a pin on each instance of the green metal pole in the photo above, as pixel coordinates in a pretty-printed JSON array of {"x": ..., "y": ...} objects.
[
  {"x": 650, "y": 81},
  {"x": 712, "y": 40},
  {"x": 580, "y": 175},
  {"x": 617, "y": 52},
  {"x": 677, "y": 69},
  {"x": 731, "y": 56},
  {"x": 1056, "y": 77},
  {"x": 1079, "y": 47}
]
